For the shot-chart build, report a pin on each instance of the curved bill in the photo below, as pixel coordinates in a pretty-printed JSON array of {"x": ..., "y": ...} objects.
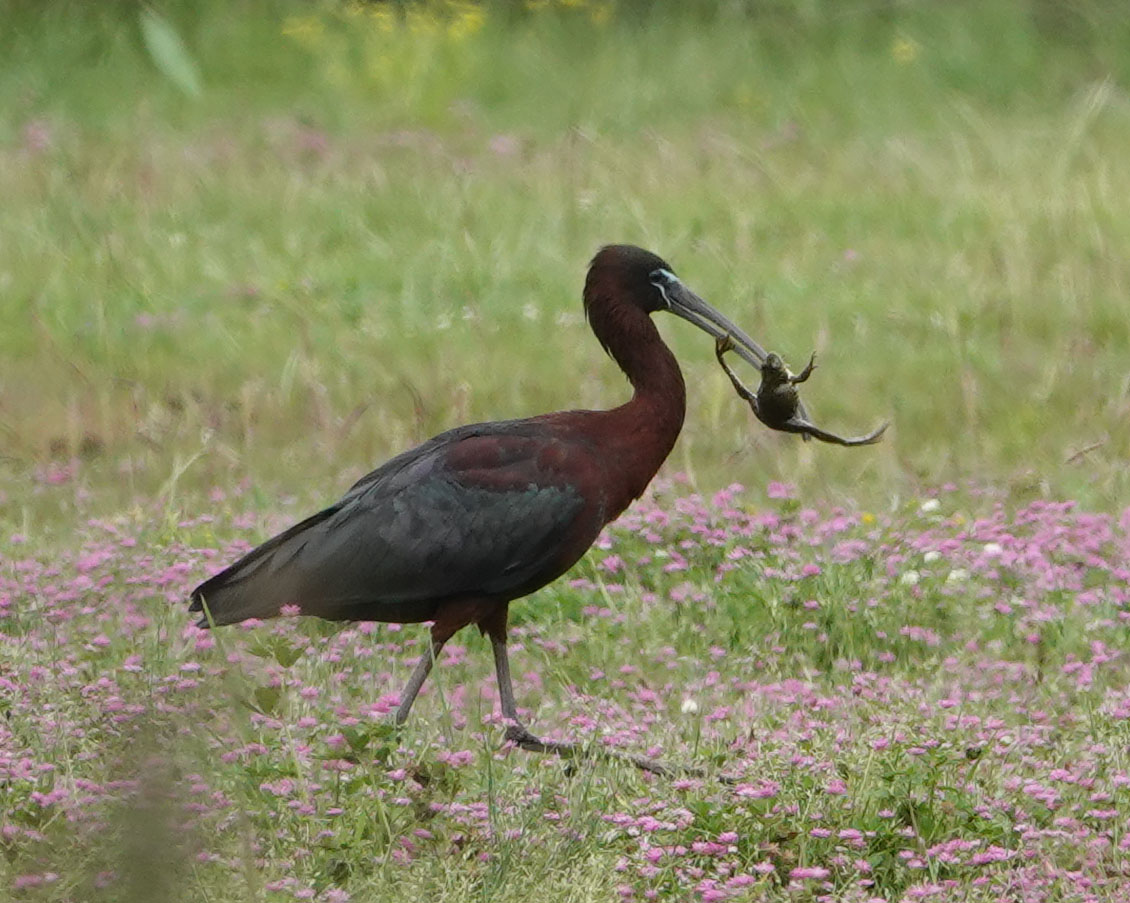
[{"x": 686, "y": 304}]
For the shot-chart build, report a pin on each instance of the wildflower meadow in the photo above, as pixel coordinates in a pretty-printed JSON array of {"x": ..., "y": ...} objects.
[
  {"x": 925, "y": 704},
  {"x": 246, "y": 255}
]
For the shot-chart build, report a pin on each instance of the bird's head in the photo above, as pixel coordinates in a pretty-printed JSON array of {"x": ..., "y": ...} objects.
[{"x": 627, "y": 275}]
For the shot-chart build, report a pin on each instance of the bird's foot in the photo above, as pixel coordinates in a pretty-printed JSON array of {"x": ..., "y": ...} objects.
[{"x": 522, "y": 738}]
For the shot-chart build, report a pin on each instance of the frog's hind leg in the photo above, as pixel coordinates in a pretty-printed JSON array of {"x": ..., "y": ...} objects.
[
  {"x": 802, "y": 428},
  {"x": 852, "y": 441},
  {"x": 720, "y": 348}
]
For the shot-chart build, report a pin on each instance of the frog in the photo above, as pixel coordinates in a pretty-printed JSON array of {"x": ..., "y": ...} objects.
[{"x": 777, "y": 404}]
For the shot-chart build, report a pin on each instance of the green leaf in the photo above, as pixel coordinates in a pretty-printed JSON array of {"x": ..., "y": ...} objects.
[
  {"x": 266, "y": 699},
  {"x": 169, "y": 54},
  {"x": 357, "y": 738},
  {"x": 276, "y": 647},
  {"x": 286, "y": 655}
]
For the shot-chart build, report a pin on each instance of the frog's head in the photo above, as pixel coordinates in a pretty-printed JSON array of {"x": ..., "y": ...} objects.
[{"x": 774, "y": 368}]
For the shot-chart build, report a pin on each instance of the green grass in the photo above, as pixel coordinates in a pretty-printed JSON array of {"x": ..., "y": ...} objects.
[
  {"x": 233, "y": 304},
  {"x": 323, "y": 259},
  {"x": 876, "y": 701}
]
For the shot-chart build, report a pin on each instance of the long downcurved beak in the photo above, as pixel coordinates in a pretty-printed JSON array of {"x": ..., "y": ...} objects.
[{"x": 686, "y": 304}]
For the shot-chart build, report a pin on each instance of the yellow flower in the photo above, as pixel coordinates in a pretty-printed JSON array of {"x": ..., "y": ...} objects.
[
  {"x": 601, "y": 13},
  {"x": 904, "y": 50},
  {"x": 868, "y": 517},
  {"x": 383, "y": 18},
  {"x": 468, "y": 18},
  {"x": 306, "y": 30}
]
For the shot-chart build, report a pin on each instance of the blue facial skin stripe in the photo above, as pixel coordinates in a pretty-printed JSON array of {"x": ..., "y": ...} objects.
[{"x": 661, "y": 279}]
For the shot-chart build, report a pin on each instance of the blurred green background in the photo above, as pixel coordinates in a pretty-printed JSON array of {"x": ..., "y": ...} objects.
[{"x": 279, "y": 242}]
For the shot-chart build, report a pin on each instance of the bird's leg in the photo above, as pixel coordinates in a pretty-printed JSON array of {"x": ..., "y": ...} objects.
[
  {"x": 515, "y": 730},
  {"x": 505, "y": 685},
  {"x": 806, "y": 372},
  {"x": 419, "y": 675},
  {"x": 494, "y": 625}
]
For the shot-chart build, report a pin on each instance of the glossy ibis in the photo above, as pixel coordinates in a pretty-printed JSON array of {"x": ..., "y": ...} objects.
[
  {"x": 777, "y": 404},
  {"x": 454, "y": 530}
]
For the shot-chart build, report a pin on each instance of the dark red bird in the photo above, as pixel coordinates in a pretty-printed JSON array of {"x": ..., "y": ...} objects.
[{"x": 455, "y": 529}]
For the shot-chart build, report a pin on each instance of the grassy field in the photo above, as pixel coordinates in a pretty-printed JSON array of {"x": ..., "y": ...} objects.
[{"x": 242, "y": 265}]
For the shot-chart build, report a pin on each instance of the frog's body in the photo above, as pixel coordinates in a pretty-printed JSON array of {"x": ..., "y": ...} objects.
[{"x": 777, "y": 402}]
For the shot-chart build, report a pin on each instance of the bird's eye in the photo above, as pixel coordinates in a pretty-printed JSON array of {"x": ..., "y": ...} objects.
[{"x": 663, "y": 280}]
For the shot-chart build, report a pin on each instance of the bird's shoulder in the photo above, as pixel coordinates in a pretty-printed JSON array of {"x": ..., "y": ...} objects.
[{"x": 497, "y": 455}]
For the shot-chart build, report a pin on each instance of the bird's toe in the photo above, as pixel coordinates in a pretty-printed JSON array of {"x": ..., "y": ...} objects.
[{"x": 520, "y": 736}]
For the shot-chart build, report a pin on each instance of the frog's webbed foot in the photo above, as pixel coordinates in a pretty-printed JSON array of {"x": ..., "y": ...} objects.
[
  {"x": 815, "y": 432},
  {"x": 806, "y": 372},
  {"x": 724, "y": 344}
]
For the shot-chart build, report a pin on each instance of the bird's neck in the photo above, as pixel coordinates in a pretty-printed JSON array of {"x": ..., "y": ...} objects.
[{"x": 640, "y": 434}]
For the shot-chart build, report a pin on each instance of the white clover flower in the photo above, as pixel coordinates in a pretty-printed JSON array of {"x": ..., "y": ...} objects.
[
  {"x": 929, "y": 505},
  {"x": 909, "y": 578},
  {"x": 689, "y": 707},
  {"x": 931, "y": 556}
]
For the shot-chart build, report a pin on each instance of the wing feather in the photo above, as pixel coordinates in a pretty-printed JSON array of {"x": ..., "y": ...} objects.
[{"x": 416, "y": 531}]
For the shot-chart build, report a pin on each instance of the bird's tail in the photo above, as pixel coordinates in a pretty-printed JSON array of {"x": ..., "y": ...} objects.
[{"x": 260, "y": 583}]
